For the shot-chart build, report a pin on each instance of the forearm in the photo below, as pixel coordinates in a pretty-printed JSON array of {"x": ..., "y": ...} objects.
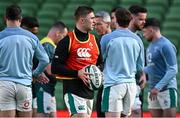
[
  {"x": 62, "y": 70},
  {"x": 40, "y": 68},
  {"x": 170, "y": 74}
]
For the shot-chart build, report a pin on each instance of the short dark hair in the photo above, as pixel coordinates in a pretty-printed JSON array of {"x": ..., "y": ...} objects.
[
  {"x": 123, "y": 17},
  {"x": 152, "y": 22},
  {"x": 82, "y": 11},
  {"x": 13, "y": 12},
  {"x": 135, "y": 9},
  {"x": 29, "y": 22},
  {"x": 59, "y": 25},
  {"x": 115, "y": 8}
]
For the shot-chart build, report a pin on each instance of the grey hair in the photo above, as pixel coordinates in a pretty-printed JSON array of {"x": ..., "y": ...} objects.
[{"x": 104, "y": 15}]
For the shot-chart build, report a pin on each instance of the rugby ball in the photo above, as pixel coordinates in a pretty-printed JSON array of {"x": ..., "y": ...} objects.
[{"x": 96, "y": 77}]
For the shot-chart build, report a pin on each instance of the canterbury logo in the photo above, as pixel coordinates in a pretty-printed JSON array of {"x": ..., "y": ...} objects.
[{"x": 83, "y": 52}]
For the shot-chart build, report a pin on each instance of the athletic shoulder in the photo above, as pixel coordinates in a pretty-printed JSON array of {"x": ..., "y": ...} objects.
[
  {"x": 107, "y": 36},
  {"x": 166, "y": 43},
  {"x": 18, "y": 31},
  {"x": 64, "y": 44}
]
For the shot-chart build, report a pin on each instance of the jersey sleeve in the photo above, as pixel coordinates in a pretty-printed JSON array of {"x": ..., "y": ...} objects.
[
  {"x": 42, "y": 57},
  {"x": 60, "y": 56},
  {"x": 169, "y": 54}
]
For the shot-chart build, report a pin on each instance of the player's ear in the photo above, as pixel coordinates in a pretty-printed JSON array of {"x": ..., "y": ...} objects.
[
  {"x": 20, "y": 19},
  {"x": 151, "y": 30},
  {"x": 132, "y": 16},
  {"x": 83, "y": 20},
  {"x": 108, "y": 25}
]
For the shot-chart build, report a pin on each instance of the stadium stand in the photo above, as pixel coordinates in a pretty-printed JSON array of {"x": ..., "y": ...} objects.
[
  {"x": 48, "y": 11},
  {"x": 176, "y": 2},
  {"x": 130, "y": 2},
  {"x": 98, "y": 7},
  {"x": 3, "y": 5},
  {"x": 156, "y": 11},
  {"x": 28, "y": 8},
  {"x": 127, "y": 3},
  {"x": 171, "y": 25},
  {"x": 163, "y": 3}
]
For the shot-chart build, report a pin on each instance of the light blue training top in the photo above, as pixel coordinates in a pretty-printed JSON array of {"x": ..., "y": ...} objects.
[
  {"x": 17, "y": 48},
  {"x": 123, "y": 57},
  {"x": 161, "y": 64}
]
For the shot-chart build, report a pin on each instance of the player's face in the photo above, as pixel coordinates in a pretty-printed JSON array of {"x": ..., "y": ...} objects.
[
  {"x": 61, "y": 35},
  {"x": 139, "y": 20},
  {"x": 35, "y": 30},
  {"x": 101, "y": 26},
  {"x": 113, "y": 21},
  {"x": 89, "y": 22},
  {"x": 148, "y": 33}
]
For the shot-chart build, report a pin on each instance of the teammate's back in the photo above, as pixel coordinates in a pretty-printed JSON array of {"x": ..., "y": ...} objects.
[
  {"x": 17, "y": 49},
  {"x": 123, "y": 54}
]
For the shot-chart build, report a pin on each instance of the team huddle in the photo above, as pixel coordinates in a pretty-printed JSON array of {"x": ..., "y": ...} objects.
[{"x": 30, "y": 68}]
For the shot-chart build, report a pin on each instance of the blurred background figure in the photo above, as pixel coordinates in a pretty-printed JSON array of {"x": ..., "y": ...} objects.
[
  {"x": 45, "y": 93},
  {"x": 103, "y": 26},
  {"x": 31, "y": 24},
  {"x": 139, "y": 15},
  {"x": 103, "y": 21},
  {"x": 114, "y": 24},
  {"x": 136, "y": 24},
  {"x": 69, "y": 63},
  {"x": 119, "y": 75},
  {"x": 162, "y": 70},
  {"x": 18, "y": 46}
]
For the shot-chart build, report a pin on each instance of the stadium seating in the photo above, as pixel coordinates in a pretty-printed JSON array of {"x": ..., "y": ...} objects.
[
  {"x": 68, "y": 16},
  {"x": 176, "y": 2},
  {"x": 28, "y": 9},
  {"x": 87, "y": 2},
  {"x": 130, "y": 2},
  {"x": 156, "y": 11},
  {"x": 106, "y": 2},
  {"x": 99, "y": 7},
  {"x": 171, "y": 25},
  {"x": 39, "y": 2},
  {"x": 164, "y": 3},
  {"x": 3, "y": 5}
]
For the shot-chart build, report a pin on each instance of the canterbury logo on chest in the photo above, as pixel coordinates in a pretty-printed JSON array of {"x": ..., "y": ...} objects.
[{"x": 83, "y": 52}]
